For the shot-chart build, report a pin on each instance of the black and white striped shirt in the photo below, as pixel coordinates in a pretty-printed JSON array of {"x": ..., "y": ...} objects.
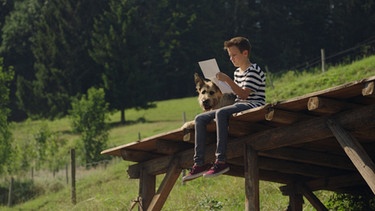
[{"x": 254, "y": 79}]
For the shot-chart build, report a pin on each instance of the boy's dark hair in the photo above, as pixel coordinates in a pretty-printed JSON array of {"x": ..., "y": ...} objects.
[{"x": 240, "y": 42}]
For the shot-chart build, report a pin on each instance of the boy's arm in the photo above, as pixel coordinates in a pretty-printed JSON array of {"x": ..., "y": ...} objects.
[{"x": 242, "y": 93}]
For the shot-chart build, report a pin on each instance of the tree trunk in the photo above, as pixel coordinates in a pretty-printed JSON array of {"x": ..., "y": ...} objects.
[{"x": 122, "y": 116}]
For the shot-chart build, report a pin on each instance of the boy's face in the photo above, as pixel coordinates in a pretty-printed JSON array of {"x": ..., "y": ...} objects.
[{"x": 237, "y": 58}]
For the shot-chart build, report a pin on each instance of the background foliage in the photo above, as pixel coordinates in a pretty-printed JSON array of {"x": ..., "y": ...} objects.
[{"x": 143, "y": 51}]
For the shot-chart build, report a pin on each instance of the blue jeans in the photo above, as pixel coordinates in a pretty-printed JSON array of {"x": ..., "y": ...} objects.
[{"x": 222, "y": 116}]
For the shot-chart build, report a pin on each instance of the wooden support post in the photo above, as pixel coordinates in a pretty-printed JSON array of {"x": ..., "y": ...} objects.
[
  {"x": 310, "y": 196},
  {"x": 355, "y": 152},
  {"x": 295, "y": 202},
  {"x": 295, "y": 197},
  {"x": 166, "y": 186},
  {"x": 146, "y": 188},
  {"x": 251, "y": 179}
]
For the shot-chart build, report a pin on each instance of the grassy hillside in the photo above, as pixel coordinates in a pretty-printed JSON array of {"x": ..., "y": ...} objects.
[{"x": 110, "y": 189}]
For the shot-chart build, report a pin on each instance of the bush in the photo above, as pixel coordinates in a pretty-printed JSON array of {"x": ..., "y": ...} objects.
[
  {"x": 351, "y": 202},
  {"x": 88, "y": 118}
]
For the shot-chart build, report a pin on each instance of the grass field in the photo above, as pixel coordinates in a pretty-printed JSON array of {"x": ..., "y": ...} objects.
[{"x": 108, "y": 188}]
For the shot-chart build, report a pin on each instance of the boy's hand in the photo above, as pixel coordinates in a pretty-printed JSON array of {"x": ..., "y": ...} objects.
[{"x": 222, "y": 76}]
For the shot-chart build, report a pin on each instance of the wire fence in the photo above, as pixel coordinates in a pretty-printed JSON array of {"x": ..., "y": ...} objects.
[{"x": 364, "y": 48}]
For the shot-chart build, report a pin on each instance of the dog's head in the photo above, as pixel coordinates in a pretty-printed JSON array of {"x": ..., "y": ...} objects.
[{"x": 209, "y": 94}]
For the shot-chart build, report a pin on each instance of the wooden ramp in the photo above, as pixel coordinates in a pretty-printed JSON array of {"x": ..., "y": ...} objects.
[{"x": 320, "y": 141}]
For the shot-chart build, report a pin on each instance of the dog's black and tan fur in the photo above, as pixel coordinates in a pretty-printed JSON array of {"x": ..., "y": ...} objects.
[{"x": 209, "y": 97}]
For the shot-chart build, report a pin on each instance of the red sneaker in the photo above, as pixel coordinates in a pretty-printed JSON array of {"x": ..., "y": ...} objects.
[
  {"x": 195, "y": 172},
  {"x": 216, "y": 170}
]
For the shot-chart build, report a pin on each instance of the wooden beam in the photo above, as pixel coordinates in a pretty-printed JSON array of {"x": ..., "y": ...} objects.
[
  {"x": 309, "y": 157},
  {"x": 355, "y": 152},
  {"x": 166, "y": 186},
  {"x": 136, "y": 155},
  {"x": 297, "y": 168},
  {"x": 335, "y": 182},
  {"x": 168, "y": 147},
  {"x": 368, "y": 90},
  {"x": 251, "y": 179},
  {"x": 283, "y": 117},
  {"x": 243, "y": 128},
  {"x": 327, "y": 106}
]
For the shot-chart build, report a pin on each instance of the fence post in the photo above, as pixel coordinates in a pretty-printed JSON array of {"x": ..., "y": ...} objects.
[
  {"x": 10, "y": 192},
  {"x": 73, "y": 170},
  {"x": 183, "y": 170},
  {"x": 322, "y": 53},
  {"x": 67, "y": 173}
]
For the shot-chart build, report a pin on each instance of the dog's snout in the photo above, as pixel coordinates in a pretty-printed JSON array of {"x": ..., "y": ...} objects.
[{"x": 206, "y": 102}]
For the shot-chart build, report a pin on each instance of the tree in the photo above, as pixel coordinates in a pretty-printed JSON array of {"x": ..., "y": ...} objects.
[
  {"x": 47, "y": 42},
  {"x": 88, "y": 115},
  {"x": 5, "y": 134},
  {"x": 121, "y": 45},
  {"x": 15, "y": 48}
]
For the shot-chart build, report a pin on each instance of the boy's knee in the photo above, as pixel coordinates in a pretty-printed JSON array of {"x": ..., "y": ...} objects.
[
  {"x": 222, "y": 114},
  {"x": 202, "y": 118}
]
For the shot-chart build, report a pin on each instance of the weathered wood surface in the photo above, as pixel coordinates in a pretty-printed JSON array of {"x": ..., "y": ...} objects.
[{"x": 356, "y": 153}]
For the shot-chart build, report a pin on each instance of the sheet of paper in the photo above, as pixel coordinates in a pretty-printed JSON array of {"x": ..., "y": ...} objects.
[{"x": 210, "y": 69}]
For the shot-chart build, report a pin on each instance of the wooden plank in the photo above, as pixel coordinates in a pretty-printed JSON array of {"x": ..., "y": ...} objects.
[
  {"x": 251, "y": 179},
  {"x": 166, "y": 186},
  {"x": 355, "y": 152},
  {"x": 147, "y": 144}
]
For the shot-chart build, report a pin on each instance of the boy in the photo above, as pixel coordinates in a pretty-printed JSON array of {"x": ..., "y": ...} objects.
[{"x": 249, "y": 87}]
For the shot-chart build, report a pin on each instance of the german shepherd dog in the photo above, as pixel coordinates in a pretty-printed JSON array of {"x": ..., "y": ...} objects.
[{"x": 209, "y": 97}]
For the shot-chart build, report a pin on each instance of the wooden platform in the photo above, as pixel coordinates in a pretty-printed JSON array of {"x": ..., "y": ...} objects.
[{"x": 320, "y": 141}]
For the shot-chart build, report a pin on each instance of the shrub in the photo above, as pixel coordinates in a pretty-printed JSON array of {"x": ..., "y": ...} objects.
[{"x": 88, "y": 116}]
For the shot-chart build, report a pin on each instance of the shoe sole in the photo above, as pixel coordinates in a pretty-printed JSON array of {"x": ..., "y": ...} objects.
[
  {"x": 217, "y": 174},
  {"x": 195, "y": 176}
]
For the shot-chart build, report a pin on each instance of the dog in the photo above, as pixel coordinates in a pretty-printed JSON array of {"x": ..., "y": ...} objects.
[{"x": 209, "y": 97}]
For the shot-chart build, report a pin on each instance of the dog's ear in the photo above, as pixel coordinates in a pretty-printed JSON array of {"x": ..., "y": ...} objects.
[{"x": 199, "y": 82}]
